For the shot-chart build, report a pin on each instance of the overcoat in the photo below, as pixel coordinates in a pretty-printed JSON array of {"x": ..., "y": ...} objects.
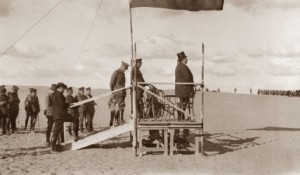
[{"x": 183, "y": 75}]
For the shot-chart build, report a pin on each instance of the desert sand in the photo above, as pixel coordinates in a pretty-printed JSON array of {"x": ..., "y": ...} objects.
[{"x": 245, "y": 134}]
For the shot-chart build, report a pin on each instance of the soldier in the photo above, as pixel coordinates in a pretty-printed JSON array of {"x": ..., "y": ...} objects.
[
  {"x": 32, "y": 107},
  {"x": 139, "y": 91},
  {"x": 73, "y": 112},
  {"x": 26, "y": 110},
  {"x": 3, "y": 109},
  {"x": 49, "y": 113},
  {"x": 13, "y": 104},
  {"x": 82, "y": 108},
  {"x": 183, "y": 75},
  {"x": 60, "y": 114},
  {"x": 117, "y": 102},
  {"x": 90, "y": 110}
]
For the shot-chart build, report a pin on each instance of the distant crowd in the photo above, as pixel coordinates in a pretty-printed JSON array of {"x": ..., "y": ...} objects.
[{"x": 289, "y": 93}]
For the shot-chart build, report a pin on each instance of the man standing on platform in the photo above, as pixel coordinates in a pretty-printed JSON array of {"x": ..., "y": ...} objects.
[
  {"x": 90, "y": 110},
  {"x": 49, "y": 113},
  {"x": 183, "y": 75},
  {"x": 73, "y": 112},
  {"x": 82, "y": 108},
  {"x": 117, "y": 102},
  {"x": 14, "y": 102},
  {"x": 60, "y": 113},
  {"x": 139, "y": 91}
]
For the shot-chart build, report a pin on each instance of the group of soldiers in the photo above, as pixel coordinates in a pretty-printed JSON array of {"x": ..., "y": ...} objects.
[
  {"x": 9, "y": 109},
  {"x": 289, "y": 93}
]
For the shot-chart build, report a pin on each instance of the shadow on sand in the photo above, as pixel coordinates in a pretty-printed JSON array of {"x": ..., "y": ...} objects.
[
  {"x": 221, "y": 143},
  {"x": 273, "y": 128}
]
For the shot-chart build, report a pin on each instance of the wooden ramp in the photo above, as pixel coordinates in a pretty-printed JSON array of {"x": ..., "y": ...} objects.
[{"x": 102, "y": 135}]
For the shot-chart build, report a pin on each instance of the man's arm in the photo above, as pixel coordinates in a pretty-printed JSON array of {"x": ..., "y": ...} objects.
[{"x": 47, "y": 102}]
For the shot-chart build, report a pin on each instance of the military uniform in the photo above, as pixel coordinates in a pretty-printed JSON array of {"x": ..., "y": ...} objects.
[
  {"x": 117, "y": 101},
  {"x": 118, "y": 98},
  {"x": 32, "y": 108},
  {"x": 73, "y": 112},
  {"x": 49, "y": 114},
  {"x": 139, "y": 91},
  {"x": 27, "y": 113},
  {"x": 90, "y": 111},
  {"x": 81, "y": 109},
  {"x": 13, "y": 104},
  {"x": 3, "y": 109}
]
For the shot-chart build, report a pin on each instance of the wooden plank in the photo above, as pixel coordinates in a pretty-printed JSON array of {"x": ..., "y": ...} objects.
[
  {"x": 101, "y": 136},
  {"x": 171, "y": 142},
  {"x": 166, "y": 144}
]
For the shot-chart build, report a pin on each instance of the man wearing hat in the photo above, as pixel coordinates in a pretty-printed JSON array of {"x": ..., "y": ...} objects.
[
  {"x": 3, "y": 109},
  {"x": 118, "y": 98},
  {"x": 32, "y": 107},
  {"x": 82, "y": 108},
  {"x": 13, "y": 104},
  {"x": 49, "y": 113},
  {"x": 73, "y": 112},
  {"x": 183, "y": 75},
  {"x": 60, "y": 113},
  {"x": 139, "y": 91},
  {"x": 90, "y": 110}
]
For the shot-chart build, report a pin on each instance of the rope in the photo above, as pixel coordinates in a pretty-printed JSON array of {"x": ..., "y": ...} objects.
[
  {"x": 85, "y": 40},
  {"x": 35, "y": 24}
]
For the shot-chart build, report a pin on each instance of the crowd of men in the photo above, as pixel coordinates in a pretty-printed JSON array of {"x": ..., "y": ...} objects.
[
  {"x": 60, "y": 108},
  {"x": 289, "y": 93}
]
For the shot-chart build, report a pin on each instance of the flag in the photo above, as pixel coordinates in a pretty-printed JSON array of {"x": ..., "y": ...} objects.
[{"x": 190, "y": 5}]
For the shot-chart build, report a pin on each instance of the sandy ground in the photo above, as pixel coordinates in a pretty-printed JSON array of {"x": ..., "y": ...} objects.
[{"x": 245, "y": 134}]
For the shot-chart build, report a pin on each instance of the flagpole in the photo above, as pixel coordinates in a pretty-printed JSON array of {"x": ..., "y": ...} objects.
[
  {"x": 131, "y": 31},
  {"x": 202, "y": 103},
  {"x": 132, "y": 134},
  {"x": 132, "y": 54}
]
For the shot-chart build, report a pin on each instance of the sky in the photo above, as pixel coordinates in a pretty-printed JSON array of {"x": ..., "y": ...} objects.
[{"x": 250, "y": 44}]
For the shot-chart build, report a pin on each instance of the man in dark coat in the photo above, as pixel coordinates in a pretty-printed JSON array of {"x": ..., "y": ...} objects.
[
  {"x": 90, "y": 110},
  {"x": 60, "y": 113},
  {"x": 49, "y": 113},
  {"x": 183, "y": 75},
  {"x": 117, "y": 102},
  {"x": 3, "y": 109},
  {"x": 13, "y": 104},
  {"x": 32, "y": 107},
  {"x": 139, "y": 91}
]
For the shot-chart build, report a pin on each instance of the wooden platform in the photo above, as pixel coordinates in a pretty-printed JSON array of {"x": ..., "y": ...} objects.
[{"x": 168, "y": 130}]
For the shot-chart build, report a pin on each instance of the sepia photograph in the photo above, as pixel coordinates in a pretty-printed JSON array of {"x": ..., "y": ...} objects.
[{"x": 149, "y": 87}]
